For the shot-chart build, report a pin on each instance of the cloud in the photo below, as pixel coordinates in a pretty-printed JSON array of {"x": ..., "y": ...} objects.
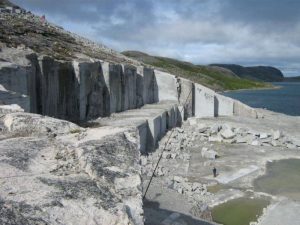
[{"x": 202, "y": 31}]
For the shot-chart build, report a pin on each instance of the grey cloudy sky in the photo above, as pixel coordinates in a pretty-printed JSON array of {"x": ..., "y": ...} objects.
[{"x": 247, "y": 32}]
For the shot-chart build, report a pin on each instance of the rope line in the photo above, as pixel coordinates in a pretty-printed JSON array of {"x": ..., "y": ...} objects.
[{"x": 160, "y": 157}]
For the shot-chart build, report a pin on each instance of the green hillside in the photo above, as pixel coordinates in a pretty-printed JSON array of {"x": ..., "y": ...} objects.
[{"x": 214, "y": 77}]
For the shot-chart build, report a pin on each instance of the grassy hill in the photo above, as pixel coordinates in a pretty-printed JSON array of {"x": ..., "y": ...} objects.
[
  {"x": 214, "y": 77},
  {"x": 257, "y": 73}
]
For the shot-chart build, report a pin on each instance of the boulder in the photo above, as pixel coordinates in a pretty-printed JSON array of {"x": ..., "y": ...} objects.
[
  {"x": 256, "y": 143},
  {"x": 240, "y": 139},
  {"x": 291, "y": 146},
  {"x": 276, "y": 134},
  {"x": 227, "y": 134},
  {"x": 214, "y": 129},
  {"x": 209, "y": 154},
  {"x": 263, "y": 135},
  {"x": 202, "y": 128}
]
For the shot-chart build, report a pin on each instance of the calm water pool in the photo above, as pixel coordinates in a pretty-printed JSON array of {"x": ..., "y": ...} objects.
[
  {"x": 282, "y": 178},
  {"x": 239, "y": 211}
]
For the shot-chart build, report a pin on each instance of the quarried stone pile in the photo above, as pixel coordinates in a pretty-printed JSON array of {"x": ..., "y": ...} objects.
[{"x": 226, "y": 133}]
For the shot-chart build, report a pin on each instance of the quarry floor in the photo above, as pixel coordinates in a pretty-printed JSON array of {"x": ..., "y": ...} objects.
[{"x": 171, "y": 198}]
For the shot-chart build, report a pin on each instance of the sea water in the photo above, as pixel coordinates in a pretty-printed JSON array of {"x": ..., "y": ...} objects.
[{"x": 285, "y": 99}]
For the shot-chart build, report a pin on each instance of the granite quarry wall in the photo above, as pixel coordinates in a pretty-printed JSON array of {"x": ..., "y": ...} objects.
[
  {"x": 133, "y": 106},
  {"x": 82, "y": 91}
]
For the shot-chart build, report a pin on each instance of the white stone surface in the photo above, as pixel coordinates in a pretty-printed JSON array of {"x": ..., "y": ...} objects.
[
  {"x": 276, "y": 134},
  {"x": 10, "y": 108},
  {"x": 209, "y": 154},
  {"x": 225, "y": 178},
  {"x": 167, "y": 87},
  {"x": 227, "y": 134},
  {"x": 224, "y": 105},
  {"x": 284, "y": 212},
  {"x": 241, "y": 109},
  {"x": 204, "y": 101}
]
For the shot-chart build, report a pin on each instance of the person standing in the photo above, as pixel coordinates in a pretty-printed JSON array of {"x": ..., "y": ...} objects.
[{"x": 214, "y": 171}]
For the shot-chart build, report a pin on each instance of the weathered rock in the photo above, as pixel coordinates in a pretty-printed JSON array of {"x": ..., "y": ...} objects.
[
  {"x": 179, "y": 179},
  {"x": 4, "y": 109},
  {"x": 27, "y": 124},
  {"x": 256, "y": 143},
  {"x": 276, "y": 134},
  {"x": 67, "y": 175},
  {"x": 263, "y": 135},
  {"x": 244, "y": 139},
  {"x": 215, "y": 129},
  {"x": 215, "y": 138},
  {"x": 227, "y": 133},
  {"x": 291, "y": 146},
  {"x": 209, "y": 154}
]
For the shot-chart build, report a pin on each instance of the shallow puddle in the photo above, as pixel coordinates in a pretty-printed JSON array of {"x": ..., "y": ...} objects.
[
  {"x": 282, "y": 178},
  {"x": 239, "y": 211}
]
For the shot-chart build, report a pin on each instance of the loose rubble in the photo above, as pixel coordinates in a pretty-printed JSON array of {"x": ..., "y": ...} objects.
[{"x": 205, "y": 138}]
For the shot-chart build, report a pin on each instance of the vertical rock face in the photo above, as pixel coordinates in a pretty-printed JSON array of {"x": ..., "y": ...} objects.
[
  {"x": 167, "y": 86},
  {"x": 147, "y": 80},
  {"x": 59, "y": 89},
  {"x": 240, "y": 109},
  {"x": 205, "y": 105},
  {"x": 78, "y": 91},
  {"x": 140, "y": 89},
  {"x": 225, "y": 106},
  {"x": 186, "y": 96},
  {"x": 94, "y": 96},
  {"x": 129, "y": 89},
  {"x": 113, "y": 78}
]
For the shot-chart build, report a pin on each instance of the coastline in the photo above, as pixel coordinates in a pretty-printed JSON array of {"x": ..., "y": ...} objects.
[{"x": 273, "y": 87}]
